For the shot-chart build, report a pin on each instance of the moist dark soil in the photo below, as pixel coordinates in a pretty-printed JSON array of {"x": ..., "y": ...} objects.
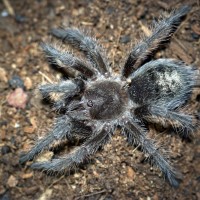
[{"x": 117, "y": 171}]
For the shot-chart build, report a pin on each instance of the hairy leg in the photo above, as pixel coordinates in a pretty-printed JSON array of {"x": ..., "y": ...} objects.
[
  {"x": 137, "y": 136},
  {"x": 61, "y": 105},
  {"x": 89, "y": 147},
  {"x": 68, "y": 89},
  {"x": 71, "y": 87},
  {"x": 160, "y": 114},
  {"x": 64, "y": 127},
  {"x": 77, "y": 111},
  {"x": 161, "y": 32},
  {"x": 67, "y": 59},
  {"x": 85, "y": 44}
]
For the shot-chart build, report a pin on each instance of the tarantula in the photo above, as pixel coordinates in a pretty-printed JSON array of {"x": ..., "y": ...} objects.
[{"x": 96, "y": 101}]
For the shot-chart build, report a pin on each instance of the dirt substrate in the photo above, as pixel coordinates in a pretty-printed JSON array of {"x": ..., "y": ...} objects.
[{"x": 117, "y": 171}]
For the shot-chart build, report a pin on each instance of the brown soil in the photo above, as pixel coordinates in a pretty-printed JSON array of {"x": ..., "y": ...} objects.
[{"x": 116, "y": 172}]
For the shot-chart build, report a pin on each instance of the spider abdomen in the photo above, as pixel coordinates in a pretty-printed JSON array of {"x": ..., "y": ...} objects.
[
  {"x": 105, "y": 100},
  {"x": 159, "y": 81}
]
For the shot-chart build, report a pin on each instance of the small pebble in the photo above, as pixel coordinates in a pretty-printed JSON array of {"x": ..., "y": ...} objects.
[
  {"x": 12, "y": 181},
  {"x": 3, "y": 75},
  {"x": 195, "y": 36},
  {"x": 20, "y": 18},
  {"x": 2, "y": 191},
  {"x": 28, "y": 83},
  {"x": 125, "y": 39},
  {"x": 155, "y": 197},
  {"x": 5, "y": 149},
  {"x": 16, "y": 125},
  {"x": 4, "y": 13},
  {"x": 196, "y": 28},
  {"x": 110, "y": 10},
  {"x": 3, "y": 123},
  {"x": 16, "y": 82},
  {"x": 5, "y": 196},
  {"x": 46, "y": 194},
  {"x": 18, "y": 98},
  {"x": 130, "y": 173}
]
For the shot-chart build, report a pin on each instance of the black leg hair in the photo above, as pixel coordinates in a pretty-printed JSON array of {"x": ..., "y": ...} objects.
[
  {"x": 69, "y": 88},
  {"x": 66, "y": 87},
  {"x": 79, "y": 114},
  {"x": 85, "y": 44},
  {"x": 161, "y": 33},
  {"x": 62, "y": 104},
  {"x": 61, "y": 129},
  {"x": 64, "y": 58},
  {"x": 160, "y": 114},
  {"x": 64, "y": 128},
  {"x": 89, "y": 147},
  {"x": 137, "y": 136},
  {"x": 77, "y": 111}
]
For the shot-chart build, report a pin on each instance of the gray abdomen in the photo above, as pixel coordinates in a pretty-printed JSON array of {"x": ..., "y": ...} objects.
[{"x": 156, "y": 82}]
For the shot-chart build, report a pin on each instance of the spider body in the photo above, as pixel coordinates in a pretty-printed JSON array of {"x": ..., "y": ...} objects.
[{"x": 96, "y": 102}]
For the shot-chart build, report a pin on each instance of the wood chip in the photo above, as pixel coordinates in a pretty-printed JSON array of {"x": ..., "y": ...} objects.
[
  {"x": 2, "y": 134},
  {"x": 29, "y": 129},
  {"x": 130, "y": 173},
  {"x": 26, "y": 176},
  {"x": 26, "y": 146}
]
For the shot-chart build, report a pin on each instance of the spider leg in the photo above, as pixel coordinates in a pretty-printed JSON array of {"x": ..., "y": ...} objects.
[
  {"x": 161, "y": 114},
  {"x": 64, "y": 127},
  {"x": 67, "y": 87},
  {"x": 89, "y": 147},
  {"x": 137, "y": 136},
  {"x": 62, "y": 103},
  {"x": 161, "y": 32},
  {"x": 67, "y": 59},
  {"x": 85, "y": 44}
]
